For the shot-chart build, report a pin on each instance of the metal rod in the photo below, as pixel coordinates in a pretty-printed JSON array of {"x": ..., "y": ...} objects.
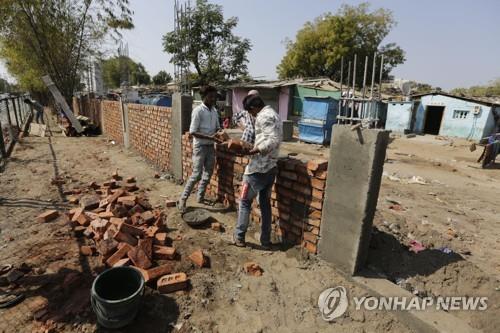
[
  {"x": 373, "y": 73},
  {"x": 364, "y": 88},
  {"x": 354, "y": 83},
  {"x": 380, "y": 77},
  {"x": 348, "y": 88},
  {"x": 15, "y": 112},
  {"x": 341, "y": 79},
  {"x": 3, "y": 152},
  {"x": 9, "y": 120}
]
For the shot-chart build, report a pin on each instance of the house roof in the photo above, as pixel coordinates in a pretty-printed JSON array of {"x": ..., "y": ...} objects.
[{"x": 480, "y": 100}]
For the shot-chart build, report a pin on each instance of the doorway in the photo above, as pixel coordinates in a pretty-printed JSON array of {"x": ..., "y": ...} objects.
[{"x": 433, "y": 118}]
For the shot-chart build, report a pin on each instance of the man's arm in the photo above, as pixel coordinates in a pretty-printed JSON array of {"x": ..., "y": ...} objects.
[{"x": 195, "y": 121}]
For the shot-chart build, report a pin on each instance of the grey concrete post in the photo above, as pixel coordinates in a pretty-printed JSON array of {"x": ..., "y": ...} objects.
[
  {"x": 125, "y": 124},
  {"x": 182, "y": 106},
  {"x": 354, "y": 176}
]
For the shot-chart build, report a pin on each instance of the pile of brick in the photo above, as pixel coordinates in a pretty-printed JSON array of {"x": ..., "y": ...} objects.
[
  {"x": 124, "y": 228},
  {"x": 297, "y": 196}
]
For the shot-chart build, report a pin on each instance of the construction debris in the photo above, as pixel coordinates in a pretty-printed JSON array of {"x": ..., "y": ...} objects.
[
  {"x": 252, "y": 268},
  {"x": 125, "y": 230}
]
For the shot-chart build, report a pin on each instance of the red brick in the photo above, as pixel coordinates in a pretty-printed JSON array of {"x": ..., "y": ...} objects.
[
  {"x": 106, "y": 215},
  {"x": 164, "y": 252},
  {"x": 116, "y": 221},
  {"x": 289, "y": 175},
  {"x": 131, "y": 230},
  {"x": 318, "y": 183},
  {"x": 156, "y": 272},
  {"x": 310, "y": 247},
  {"x": 314, "y": 222},
  {"x": 146, "y": 245},
  {"x": 317, "y": 165},
  {"x": 122, "y": 262},
  {"x": 88, "y": 250},
  {"x": 125, "y": 238},
  {"x": 160, "y": 238},
  {"x": 198, "y": 258},
  {"x": 252, "y": 268},
  {"x": 173, "y": 282},
  {"x": 119, "y": 254},
  {"x": 310, "y": 237},
  {"x": 107, "y": 247},
  {"x": 321, "y": 175},
  {"x": 127, "y": 198},
  {"x": 316, "y": 204},
  {"x": 317, "y": 194},
  {"x": 47, "y": 216},
  {"x": 139, "y": 258},
  {"x": 170, "y": 203},
  {"x": 148, "y": 217},
  {"x": 90, "y": 202}
]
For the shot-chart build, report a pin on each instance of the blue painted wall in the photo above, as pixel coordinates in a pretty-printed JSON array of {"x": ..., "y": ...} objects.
[
  {"x": 398, "y": 116},
  {"x": 472, "y": 127}
]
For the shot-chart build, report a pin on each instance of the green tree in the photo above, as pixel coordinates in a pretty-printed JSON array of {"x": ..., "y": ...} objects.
[
  {"x": 117, "y": 69},
  {"x": 57, "y": 37},
  {"x": 206, "y": 43},
  {"x": 320, "y": 45},
  {"x": 491, "y": 89},
  {"x": 162, "y": 78}
]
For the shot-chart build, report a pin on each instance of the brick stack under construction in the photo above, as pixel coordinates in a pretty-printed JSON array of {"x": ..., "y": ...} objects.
[
  {"x": 150, "y": 133},
  {"x": 297, "y": 197},
  {"x": 112, "y": 118}
]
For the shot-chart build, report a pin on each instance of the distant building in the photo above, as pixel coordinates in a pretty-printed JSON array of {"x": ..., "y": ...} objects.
[{"x": 440, "y": 113}]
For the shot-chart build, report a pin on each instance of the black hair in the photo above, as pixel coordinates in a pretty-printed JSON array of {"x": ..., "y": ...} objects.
[
  {"x": 253, "y": 102},
  {"x": 205, "y": 90},
  {"x": 27, "y": 101}
]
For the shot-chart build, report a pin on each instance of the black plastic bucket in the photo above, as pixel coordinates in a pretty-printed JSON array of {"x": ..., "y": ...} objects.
[{"x": 116, "y": 295}]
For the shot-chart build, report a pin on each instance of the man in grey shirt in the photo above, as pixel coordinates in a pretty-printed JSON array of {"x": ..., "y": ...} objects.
[{"x": 204, "y": 123}]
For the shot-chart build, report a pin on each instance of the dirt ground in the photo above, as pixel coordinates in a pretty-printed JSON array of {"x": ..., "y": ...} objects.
[{"x": 223, "y": 298}]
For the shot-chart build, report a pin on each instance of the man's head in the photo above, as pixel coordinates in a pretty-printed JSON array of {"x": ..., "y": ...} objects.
[
  {"x": 209, "y": 95},
  {"x": 254, "y": 104}
]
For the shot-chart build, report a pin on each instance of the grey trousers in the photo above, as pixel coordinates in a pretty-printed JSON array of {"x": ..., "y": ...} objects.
[{"x": 203, "y": 167}]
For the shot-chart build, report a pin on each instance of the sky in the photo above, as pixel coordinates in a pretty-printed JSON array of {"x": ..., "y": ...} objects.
[{"x": 448, "y": 43}]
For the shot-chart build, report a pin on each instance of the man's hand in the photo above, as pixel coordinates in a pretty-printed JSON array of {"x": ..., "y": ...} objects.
[{"x": 253, "y": 151}]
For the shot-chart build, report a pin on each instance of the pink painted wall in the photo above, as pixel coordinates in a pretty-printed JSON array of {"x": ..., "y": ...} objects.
[{"x": 284, "y": 102}]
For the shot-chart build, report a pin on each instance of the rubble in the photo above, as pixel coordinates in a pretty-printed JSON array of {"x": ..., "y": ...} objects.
[
  {"x": 125, "y": 230},
  {"x": 252, "y": 268}
]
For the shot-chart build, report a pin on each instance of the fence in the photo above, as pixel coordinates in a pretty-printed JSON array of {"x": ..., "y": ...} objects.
[{"x": 15, "y": 115}]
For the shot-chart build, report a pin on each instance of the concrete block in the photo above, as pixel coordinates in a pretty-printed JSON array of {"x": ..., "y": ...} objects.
[
  {"x": 354, "y": 176},
  {"x": 181, "y": 119}
]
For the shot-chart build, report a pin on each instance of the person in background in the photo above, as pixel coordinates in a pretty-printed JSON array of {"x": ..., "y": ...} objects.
[
  {"x": 204, "y": 123},
  {"x": 38, "y": 108},
  {"x": 246, "y": 121},
  {"x": 261, "y": 171}
]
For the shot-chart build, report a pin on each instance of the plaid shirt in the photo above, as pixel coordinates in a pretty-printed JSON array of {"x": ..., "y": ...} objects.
[
  {"x": 268, "y": 135},
  {"x": 249, "y": 123}
]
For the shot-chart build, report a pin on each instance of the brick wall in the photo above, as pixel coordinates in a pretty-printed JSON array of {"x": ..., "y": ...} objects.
[
  {"x": 297, "y": 197},
  {"x": 113, "y": 123},
  {"x": 150, "y": 133}
]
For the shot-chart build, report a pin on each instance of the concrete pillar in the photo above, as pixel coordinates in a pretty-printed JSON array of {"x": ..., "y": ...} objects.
[
  {"x": 182, "y": 105},
  {"x": 125, "y": 125},
  {"x": 354, "y": 176}
]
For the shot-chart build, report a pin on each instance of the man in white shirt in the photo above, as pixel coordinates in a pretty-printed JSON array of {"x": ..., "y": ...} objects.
[
  {"x": 204, "y": 121},
  {"x": 260, "y": 173}
]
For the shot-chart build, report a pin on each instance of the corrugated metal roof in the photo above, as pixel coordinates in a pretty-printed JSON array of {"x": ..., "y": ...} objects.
[{"x": 489, "y": 101}]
